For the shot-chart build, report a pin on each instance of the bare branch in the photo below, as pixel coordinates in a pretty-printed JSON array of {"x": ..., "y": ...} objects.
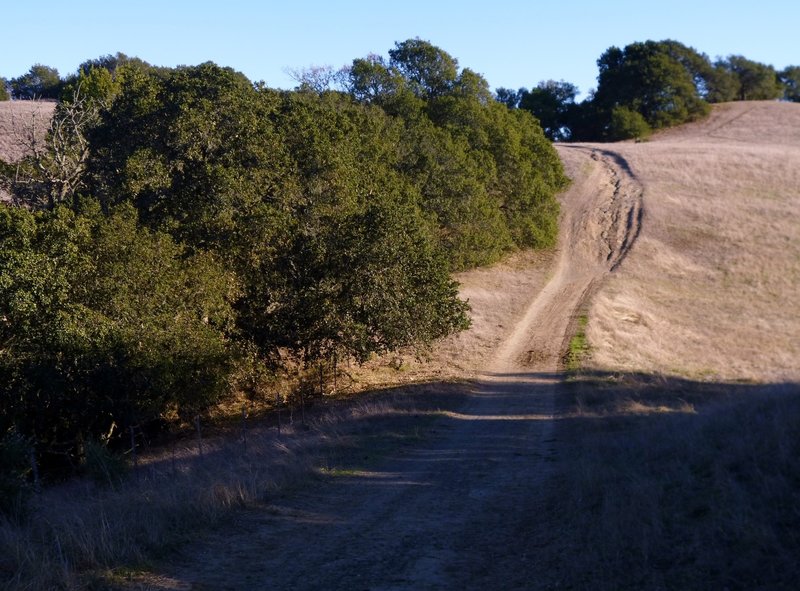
[
  {"x": 318, "y": 78},
  {"x": 52, "y": 170}
]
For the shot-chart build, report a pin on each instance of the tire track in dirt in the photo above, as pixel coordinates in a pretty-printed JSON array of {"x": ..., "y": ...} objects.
[
  {"x": 446, "y": 512},
  {"x": 602, "y": 217}
]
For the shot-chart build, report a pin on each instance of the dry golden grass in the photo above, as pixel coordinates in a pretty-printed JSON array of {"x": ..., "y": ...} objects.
[
  {"x": 17, "y": 119},
  {"x": 682, "y": 441},
  {"x": 710, "y": 289}
]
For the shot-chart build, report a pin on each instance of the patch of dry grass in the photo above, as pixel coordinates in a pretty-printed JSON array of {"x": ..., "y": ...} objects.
[
  {"x": 17, "y": 120},
  {"x": 710, "y": 289},
  {"x": 79, "y": 534},
  {"x": 672, "y": 484},
  {"x": 680, "y": 464}
]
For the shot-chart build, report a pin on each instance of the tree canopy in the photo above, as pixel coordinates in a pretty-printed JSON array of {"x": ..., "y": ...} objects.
[
  {"x": 487, "y": 175},
  {"x": 790, "y": 77},
  {"x": 645, "y": 86},
  {"x": 753, "y": 81},
  {"x": 182, "y": 231},
  {"x": 103, "y": 324},
  {"x": 37, "y": 83},
  {"x": 550, "y": 102},
  {"x": 651, "y": 79}
]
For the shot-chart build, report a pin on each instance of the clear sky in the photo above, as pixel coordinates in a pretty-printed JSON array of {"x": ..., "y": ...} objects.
[{"x": 513, "y": 43}]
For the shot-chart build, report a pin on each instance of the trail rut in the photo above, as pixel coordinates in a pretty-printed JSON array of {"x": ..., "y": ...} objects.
[{"x": 462, "y": 508}]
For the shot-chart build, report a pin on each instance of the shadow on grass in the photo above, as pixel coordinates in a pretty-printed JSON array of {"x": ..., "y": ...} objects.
[
  {"x": 516, "y": 480},
  {"x": 638, "y": 482},
  {"x": 677, "y": 484}
]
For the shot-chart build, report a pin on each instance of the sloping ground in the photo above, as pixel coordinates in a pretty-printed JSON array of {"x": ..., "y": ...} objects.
[
  {"x": 683, "y": 252},
  {"x": 681, "y": 434},
  {"x": 711, "y": 290},
  {"x": 19, "y": 121}
]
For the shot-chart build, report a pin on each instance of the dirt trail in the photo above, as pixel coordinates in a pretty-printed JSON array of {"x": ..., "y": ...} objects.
[{"x": 459, "y": 509}]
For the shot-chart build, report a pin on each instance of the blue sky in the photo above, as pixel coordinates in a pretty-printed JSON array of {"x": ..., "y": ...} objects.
[{"x": 512, "y": 43}]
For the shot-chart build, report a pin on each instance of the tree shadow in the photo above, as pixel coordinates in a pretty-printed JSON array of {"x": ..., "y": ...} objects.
[{"x": 532, "y": 480}]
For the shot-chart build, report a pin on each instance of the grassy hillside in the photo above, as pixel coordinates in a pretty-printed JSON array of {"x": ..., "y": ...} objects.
[
  {"x": 676, "y": 442},
  {"x": 710, "y": 289},
  {"x": 681, "y": 442}
]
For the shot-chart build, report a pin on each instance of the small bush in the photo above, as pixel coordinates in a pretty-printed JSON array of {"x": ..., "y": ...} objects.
[{"x": 627, "y": 124}]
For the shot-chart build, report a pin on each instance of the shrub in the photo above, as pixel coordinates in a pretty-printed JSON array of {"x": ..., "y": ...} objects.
[
  {"x": 627, "y": 124},
  {"x": 104, "y": 323},
  {"x": 102, "y": 465}
]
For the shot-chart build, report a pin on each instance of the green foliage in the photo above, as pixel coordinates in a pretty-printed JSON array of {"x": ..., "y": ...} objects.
[
  {"x": 722, "y": 85},
  {"x": 487, "y": 175},
  {"x": 652, "y": 79},
  {"x": 357, "y": 259},
  {"x": 111, "y": 63},
  {"x": 509, "y": 97},
  {"x": 272, "y": 182},
  {"x": 192, "y": 150},
  {"x": 627, "y": 124},
  {"x": 104, "y": 323},
  {"x": 97, "y": 85},
  {"x": 790, "y": 77},
  {"x": 428, "y": 70},
  {"x": 550, "y": 102},
  {"x": 370, "y": 79},
  {"x": 232, "y": 227},
  {"x": 665, "y": 82},
  {"x": 4, "y": 94},
  {"x": 40, "y": 82},
  {"x": 367, "y": 282},
  {"x": 753, "y": 80}
]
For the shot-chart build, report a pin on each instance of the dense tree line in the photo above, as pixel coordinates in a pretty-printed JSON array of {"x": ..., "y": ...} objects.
[
  {"x": 185, "y": 231},
  {"x": 648, "y": 86}
]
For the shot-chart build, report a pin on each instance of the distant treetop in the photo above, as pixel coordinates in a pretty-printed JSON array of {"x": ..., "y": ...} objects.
[{"x": 649, "y": 85}]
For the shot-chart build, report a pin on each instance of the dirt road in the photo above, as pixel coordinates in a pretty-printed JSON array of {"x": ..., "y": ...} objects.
[{"x": 460, "y": 509}]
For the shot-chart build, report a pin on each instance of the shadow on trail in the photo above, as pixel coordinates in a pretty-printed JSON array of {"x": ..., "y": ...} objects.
[
  {"x": 530, "y": 481},
  {"x": 666, "y": 483}
]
